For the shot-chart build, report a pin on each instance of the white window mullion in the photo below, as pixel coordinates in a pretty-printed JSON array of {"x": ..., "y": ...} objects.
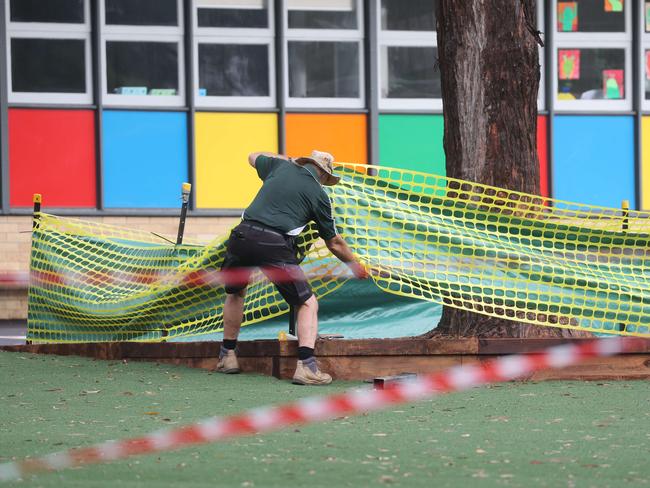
[{"x": 323, "y": 35}]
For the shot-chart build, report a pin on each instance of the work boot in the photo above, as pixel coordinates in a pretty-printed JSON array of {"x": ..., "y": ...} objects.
[
  {"x": 228, "y": 363},
  {"x": 308, "y": 373}
]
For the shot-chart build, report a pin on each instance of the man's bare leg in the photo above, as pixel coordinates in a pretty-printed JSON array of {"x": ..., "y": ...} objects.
[
  {"x": 233, "y": 313},
  {"x": 307, "y": 371},
  {"x": 308, "y": 323}
]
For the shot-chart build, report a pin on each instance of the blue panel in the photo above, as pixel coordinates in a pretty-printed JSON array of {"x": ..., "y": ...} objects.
[
  {"x": 593, "y": 159},
  {"x": 145, "y": 158}
]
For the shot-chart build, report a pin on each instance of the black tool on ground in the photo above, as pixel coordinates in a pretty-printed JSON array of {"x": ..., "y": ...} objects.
[
  {"x": 328, "y": 337},
  {"x": 382, "y": 382}
]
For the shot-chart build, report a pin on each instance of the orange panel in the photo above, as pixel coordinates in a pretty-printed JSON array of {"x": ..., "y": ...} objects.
[{"x": 343, "y": 135}]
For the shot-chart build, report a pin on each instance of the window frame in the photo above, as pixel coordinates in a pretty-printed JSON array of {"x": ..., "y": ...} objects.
[
  {"x": 325, "y": 35},
  {"x": 402, "y": 38},
  {"x": 50, "y": 30},
  {"x": 594, "y": 40},
  {"x": 142, "y": 33},
  {"x": 234, "y": 35}
]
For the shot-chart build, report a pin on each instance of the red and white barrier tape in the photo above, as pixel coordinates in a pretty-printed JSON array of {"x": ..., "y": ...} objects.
[
  {"x": 14, "y": 279},
  {"x": 317, "y": 409},
  {"x": 197, "y": 278}
]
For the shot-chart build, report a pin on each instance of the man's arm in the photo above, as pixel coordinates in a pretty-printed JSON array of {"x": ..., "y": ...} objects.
[
  {"x": 340, "y": 249},
  {"x": 252, "y": 157}
]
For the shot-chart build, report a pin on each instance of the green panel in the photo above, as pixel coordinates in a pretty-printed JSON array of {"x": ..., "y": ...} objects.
[{"x": 412, "y": 142}]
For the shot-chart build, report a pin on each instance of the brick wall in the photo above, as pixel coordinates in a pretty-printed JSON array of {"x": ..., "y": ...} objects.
[{"x": 15, "y": 244}]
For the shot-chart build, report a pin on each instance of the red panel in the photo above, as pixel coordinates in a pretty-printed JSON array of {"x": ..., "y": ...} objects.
[
  {"x": 542, "y": 154},
  {"x": 52, "y": 152}
]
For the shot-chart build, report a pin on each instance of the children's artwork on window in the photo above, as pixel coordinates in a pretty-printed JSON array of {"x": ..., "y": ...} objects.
[
  {"x": 591, "y": 74},
  {"x": 569, "y": 61},
  {"x": 647, "y": 16},
  {"x": 567, "y": 16},
  {"x": 613, "y": 5},
  {"x": 613, "y": 83}
]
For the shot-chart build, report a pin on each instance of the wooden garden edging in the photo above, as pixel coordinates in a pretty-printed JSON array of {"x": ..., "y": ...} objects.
[{"x": 356, "y": 359}]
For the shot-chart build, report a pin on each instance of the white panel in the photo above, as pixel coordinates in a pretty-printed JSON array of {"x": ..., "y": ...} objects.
[
  {"x": 234, "y": 4},
  {"x": 321, "y": 5}
]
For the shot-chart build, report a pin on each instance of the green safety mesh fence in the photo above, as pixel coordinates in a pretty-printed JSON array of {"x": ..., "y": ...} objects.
[{"x": 484, "y": 249}]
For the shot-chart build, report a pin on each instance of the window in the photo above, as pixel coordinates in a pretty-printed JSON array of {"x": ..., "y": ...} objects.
[
  {"x": 48, "y": 51},
  {"x": 410, "y": 72},
  {"x": 48, "y": 65},
  {"x": 541, "y": 95},
  {"x": 142, "y": 68},
  {"x": 324, "y": 53},
  {"x": 142, "y": 52},
  {"x": 233, "y": 52},
  {"x": 142, "y": 12},
  {"x": 592, "y": 60},
  {"x": 591, "y": 16},
  {"x": 324, "y": 69},
  {"x": 644, "y": 71},
  {"x": 322, "y": 14},
  {"x": 418, "y": 16},
  {"x": 409, "y": 75},
  {"x": 591, "y": 74},
  {"x": 234, "y": 70},
  {"x": 46, "y": 11},
  {"x": 232, "y": 14}
]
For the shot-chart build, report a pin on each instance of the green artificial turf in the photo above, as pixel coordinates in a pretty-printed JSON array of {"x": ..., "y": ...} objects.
[{"x": 516, "y": 434}]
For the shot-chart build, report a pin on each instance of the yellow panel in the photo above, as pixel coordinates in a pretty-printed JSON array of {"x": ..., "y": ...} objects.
[
  {"x": 224, "y": 178},
  {"x": 645, "y": 163}
]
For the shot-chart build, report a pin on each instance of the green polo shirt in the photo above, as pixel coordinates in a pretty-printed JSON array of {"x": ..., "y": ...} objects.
[{"x": 291, "y": 197}]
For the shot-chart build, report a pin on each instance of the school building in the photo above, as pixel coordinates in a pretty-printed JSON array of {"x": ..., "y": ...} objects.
[{"x": 107, "y": 106}]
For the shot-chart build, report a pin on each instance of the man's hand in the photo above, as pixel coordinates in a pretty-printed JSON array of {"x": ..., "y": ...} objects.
[
  {"x": 358, "y": 270},
  {"x": 340, "y": 249}
]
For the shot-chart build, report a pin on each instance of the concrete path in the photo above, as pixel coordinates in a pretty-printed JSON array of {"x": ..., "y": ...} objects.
[{"x": 12, "y": 332}]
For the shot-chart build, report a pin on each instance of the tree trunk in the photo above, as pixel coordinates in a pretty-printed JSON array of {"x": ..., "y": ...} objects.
[{"x": 489, "y": 64}]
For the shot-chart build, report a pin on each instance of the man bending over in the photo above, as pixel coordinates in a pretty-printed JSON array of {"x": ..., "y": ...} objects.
[{"x": 291, "y": 196}]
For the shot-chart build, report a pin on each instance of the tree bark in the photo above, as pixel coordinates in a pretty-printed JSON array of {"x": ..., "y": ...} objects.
[{"x": 489, "y": 64}]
